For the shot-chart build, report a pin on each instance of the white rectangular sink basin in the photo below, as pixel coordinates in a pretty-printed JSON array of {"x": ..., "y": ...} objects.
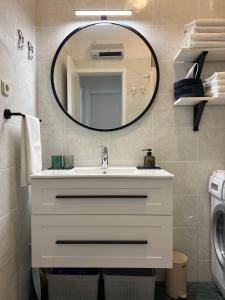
[
  {"x": 109, "y": 171},
  {"x": 119, "y": 171}
]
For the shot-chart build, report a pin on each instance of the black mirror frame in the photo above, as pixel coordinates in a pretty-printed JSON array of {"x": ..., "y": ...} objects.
[{"x": 156, "y": 65}]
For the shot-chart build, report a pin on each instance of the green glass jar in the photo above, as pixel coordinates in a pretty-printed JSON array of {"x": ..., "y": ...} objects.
[{"x": 57, "y": 162}]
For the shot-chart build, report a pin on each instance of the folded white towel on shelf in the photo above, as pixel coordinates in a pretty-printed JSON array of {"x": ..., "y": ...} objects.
[
  {"x": 215, "y": 89},
  {"x": 216, "y": 95},
  {"x": 206, "y": 36},
  {"x": 189, "y": 43},
  {"x": 214, "y": 82},
  {"x": 204, "y": 29},
  {"x": 31, "y": 151},
  {"x": 216, "y": 76},
  {"x": 206, "y": 22}
]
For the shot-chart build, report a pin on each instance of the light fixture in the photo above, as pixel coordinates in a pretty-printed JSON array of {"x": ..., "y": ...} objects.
[{"x": 103, "y": 12}]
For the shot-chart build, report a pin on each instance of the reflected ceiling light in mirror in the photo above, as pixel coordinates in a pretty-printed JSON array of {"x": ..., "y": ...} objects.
[{"x": 103, "y": 12}]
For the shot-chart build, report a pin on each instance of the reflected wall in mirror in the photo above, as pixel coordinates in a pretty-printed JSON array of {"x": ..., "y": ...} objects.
[{"x": 105, "y": 76}]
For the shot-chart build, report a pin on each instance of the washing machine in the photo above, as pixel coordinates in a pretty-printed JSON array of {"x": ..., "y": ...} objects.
[{"x": 217, "y": 191}]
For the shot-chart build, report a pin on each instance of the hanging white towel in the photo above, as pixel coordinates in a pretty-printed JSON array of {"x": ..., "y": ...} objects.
[
  {"x": 31, "y": 152},
  {"x": 206, "y": 22}
]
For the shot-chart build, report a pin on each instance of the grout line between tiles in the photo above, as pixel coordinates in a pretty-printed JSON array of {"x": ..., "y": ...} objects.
[{"x": 9, "y": 168}]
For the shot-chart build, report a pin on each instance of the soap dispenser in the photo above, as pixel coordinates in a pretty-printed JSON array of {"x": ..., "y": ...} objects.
[{"x": 149, "y": 159}]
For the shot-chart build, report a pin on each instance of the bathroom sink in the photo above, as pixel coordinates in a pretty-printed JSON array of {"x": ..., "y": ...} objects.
[
  {"x": 119, "y": 171},
  {"x": 108, "y": 171}
]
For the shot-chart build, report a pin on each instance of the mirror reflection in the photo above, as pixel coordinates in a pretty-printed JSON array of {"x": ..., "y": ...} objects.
[{"x": 105, "y": 76}]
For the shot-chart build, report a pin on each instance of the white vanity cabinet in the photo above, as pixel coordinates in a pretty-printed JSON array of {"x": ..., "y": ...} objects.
[{"x": 102, "y": 221}]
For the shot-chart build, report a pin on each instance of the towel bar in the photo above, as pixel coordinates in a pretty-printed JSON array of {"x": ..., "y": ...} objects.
[{"x": 8, "y": 114}]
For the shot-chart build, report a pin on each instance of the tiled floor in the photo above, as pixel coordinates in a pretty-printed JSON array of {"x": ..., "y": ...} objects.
[{"x": 196, "y": 291}]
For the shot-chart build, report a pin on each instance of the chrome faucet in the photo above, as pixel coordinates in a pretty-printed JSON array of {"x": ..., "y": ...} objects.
[{"x": 104, "y": 157}]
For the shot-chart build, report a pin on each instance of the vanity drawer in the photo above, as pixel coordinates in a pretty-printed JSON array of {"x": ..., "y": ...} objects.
[
  {"x": 103, "y": 201},
  {"x": 102, "y": 241}
]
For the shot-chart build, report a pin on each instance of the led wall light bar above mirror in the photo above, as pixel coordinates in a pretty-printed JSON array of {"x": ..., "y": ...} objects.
[{"x": 103, "y": 12}]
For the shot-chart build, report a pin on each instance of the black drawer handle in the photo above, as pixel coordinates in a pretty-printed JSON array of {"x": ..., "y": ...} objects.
[
  {"x": 100, "y": 242},
  {"x": 101, "y": 196}
]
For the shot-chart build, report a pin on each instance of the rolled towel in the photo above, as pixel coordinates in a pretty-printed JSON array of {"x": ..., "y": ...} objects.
[
  {"x": 188, "y": 43},
  {"x": 216, "y": 76},
  {"x": 204, "y": 29},
  {"x": 206, "y": 22},
  {"x": 206, "y": 36}
]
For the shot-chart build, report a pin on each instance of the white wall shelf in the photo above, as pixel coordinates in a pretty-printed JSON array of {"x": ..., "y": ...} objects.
[
  {"x": 198, "y": 104},
  {"x": 189, "y": 101},
  {"x": 199, "y": 55},
  {"x": 190, "y": 54}
]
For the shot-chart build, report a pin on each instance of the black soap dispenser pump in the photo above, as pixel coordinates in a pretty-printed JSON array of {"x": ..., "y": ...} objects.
[{"x": 149, "y": 159}]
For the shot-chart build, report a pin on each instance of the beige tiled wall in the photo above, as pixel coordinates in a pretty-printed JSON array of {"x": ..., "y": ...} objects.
[
  {"x": 14, "y": 201},
  {"x": 191, "y": 156}
]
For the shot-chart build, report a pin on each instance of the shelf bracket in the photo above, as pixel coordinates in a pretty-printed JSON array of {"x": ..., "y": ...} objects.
[{"x": 198, "y": 111}]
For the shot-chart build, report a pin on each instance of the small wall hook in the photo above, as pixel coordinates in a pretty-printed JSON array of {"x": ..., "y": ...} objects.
[
  {"x": 20, "y": 39},
  {"x": 30, "y": 50}
]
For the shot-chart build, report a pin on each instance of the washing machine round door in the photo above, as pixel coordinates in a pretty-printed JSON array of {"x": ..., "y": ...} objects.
[{"x": 218, "y": 233}]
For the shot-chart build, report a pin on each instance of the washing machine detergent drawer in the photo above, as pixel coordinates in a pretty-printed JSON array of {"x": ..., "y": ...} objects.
[{"x": 217, "y": 187}]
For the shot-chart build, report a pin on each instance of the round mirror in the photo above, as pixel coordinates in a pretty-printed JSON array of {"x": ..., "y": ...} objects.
[{"x": 105, "y": 76}]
